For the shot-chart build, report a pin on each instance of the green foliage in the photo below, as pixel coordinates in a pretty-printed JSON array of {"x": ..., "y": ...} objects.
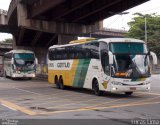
[
  {"x": 8, "y": 41},
  {"x": 137, "y": 30}
]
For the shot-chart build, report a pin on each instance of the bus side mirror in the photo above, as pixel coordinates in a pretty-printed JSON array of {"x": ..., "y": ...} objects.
[
  {"x": 154, "y": 57},
  {"x": 110, "y": 57},
  {"x": 36, "y": 61}
]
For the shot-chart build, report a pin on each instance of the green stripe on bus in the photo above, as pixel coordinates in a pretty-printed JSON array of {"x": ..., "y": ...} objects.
[{"x": 81, "y": 72}]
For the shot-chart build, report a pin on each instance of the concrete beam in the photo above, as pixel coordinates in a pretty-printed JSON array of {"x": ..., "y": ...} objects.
[
  {"x": 52, "y": 26},
  {"x": 42, "y": 6},
  {"x": 88, "y": 12},
  {"x": 65, "y": 10}
]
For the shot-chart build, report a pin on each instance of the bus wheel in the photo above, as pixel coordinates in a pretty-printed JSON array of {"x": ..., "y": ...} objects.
[
  {"x": 128, "y": 93},
  {"x": 61, "y": 84},
  {"x": 29, "y": 78},
  {"x": 5, "y": 75},
  {"x": 57, "y": 83},
  {"x": 96, "y": 88}
]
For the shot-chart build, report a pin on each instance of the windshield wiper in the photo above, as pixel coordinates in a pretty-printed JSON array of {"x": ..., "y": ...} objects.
[{"x": 136, "y": 73}]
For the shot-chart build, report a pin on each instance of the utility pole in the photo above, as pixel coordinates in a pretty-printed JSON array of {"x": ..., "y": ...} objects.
[
  {"x": 123, "y": 13},
  {"x": 145, "y": 19}
]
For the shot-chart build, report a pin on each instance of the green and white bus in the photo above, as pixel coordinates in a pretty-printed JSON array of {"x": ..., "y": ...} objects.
[
  {"x": 20, "y": 64},
  {"x": 111, "y": 64}
]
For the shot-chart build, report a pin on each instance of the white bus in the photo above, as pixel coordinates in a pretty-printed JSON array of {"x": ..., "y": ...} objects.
[
  {"x": 20, "y": 64},
  {"x": 111, "y": 64}
]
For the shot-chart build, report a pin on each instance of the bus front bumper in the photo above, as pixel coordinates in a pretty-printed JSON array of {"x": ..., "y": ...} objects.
[
  {"x": 118, "y": 88},
  {"x": 15, "y": 75}
]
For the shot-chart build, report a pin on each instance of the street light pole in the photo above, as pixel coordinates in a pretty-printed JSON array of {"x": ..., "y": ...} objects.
[
  {"x": 123, "y": 13},
  {"x": 145, "y": 29}
]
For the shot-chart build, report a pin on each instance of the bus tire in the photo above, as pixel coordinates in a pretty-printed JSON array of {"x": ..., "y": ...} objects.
[
  {"x": 30, "y": 78},
  {"x": 61, "y": 83},
  {"x": 57, "y": 82},
  {"x": 5, "y": 75},
  {"x": 128, "y": 93},
  {"x": 95, "y": 87}
]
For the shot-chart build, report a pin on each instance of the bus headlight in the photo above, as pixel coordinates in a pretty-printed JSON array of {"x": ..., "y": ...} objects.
[
  {"x": 114, "y": 89},
  {"x": 147, "y": 82},
  {"x": 116, "y": 83},
  {"x": 34, "y": 75}
]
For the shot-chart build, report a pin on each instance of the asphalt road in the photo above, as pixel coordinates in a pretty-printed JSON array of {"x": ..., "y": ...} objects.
[{"x": 36, "y": 99}]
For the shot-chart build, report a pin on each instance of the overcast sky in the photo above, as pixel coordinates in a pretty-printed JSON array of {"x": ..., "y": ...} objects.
[
  {"x": 120, "y": 21},
  {"x": 117, "y": 21}
]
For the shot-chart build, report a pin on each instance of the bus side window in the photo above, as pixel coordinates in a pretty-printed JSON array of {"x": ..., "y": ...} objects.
[
  {"x": 70, "y": 52},
  {"x": 51, "y": 54},
  {"x": 104, "y": 57},
  {"x": 95, "y": 50},
  {"x": 64, "y": 54}
]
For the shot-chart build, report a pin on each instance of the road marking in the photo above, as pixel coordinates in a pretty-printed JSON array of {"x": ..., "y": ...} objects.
[
  {"x": 115, "y": 100},
  {"x": 98, "y": 108},
  {"x": 61, "y": 100},
  {"x": 11, "y": 105},
  {"x": 149, "y": 93},
  {"x": 77, "y": 102},
  {"x": 27, "y": 91},
  {"x": 126, "y": 105}
]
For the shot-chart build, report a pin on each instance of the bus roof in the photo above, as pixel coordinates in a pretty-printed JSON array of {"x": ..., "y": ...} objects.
[
  {"x": 110, "y": 40},
  {"x": 107, "y": 40},
  {"x": 20, "y": 51}
]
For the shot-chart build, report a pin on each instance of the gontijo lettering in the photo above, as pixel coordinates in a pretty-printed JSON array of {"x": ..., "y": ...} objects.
[{"x": 63, "y": 65}]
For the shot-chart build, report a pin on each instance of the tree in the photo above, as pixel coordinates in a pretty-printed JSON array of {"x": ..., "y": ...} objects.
[
  {"x": 8, "y": 41},
  {"x": 137, "y": 30}
]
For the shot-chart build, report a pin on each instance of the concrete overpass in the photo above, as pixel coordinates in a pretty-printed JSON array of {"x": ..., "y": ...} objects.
[
  {"x": 4, "y": 27},
  {"x": 46, "y": 22}
]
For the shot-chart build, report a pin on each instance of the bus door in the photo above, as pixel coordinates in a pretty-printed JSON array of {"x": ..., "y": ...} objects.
[{"x": 105, "y": 64}]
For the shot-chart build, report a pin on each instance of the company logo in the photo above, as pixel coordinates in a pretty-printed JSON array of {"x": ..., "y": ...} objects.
[{"x": 63, "y": 65}]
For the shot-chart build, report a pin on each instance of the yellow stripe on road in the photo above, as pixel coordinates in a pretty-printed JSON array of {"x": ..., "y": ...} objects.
[
  {"x": 100, "y": 108},
  {"x": 17, "y": 107}
]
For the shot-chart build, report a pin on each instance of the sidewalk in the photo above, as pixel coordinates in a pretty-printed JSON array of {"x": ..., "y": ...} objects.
[{"x": 42, "y": 77}]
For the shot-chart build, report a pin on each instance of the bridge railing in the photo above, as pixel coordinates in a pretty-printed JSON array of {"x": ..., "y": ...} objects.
[
  {"x": 115, "y": 30},
  {"x": 6, "y": 46}
]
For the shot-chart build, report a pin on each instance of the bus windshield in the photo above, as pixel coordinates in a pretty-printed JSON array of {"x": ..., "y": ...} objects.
[
  {"x": 128, "y": 47},
  {"x": 130, "y": 60},
  {"x": 24, "y": 59},
  {"x": 25, "y": 56}
]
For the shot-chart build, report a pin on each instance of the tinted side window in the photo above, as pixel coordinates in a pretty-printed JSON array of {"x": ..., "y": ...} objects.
[
  {"x": 84, "y": 51},
  {"x": 104, "y": 57}
]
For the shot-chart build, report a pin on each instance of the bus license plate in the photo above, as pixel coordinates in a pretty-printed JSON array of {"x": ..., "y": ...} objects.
[{"x": 133, "y": 88}]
